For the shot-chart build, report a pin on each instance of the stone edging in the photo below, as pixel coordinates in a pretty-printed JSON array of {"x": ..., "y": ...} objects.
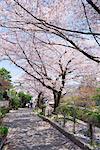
[
  {"x": 2, "y": 143},
  {"x": 67, "y": 134}
]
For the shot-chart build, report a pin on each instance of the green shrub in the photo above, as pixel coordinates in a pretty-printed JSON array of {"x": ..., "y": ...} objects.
[
  {"x": 63, "y": 109},
  {"x": 3, "y": 131},
  {"x": 86, "y": 115},
  {"x": 15, "y": 102},
  {"x": 3, "y": 111},
  {"x": 96, "y": 98}
]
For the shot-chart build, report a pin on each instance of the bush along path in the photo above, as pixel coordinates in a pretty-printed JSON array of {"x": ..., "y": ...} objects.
[
  {"x": 28, "y": 132},
  {"x": 3, "y": 129}
]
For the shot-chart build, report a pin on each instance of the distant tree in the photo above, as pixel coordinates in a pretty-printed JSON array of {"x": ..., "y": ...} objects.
[
  {"x": 5, "y": 83},
  {"x": 24, "y": 98},
  {"x": 5, "y": 75}
]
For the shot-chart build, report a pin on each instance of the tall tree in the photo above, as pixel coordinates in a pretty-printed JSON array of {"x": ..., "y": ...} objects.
[{"x": 51, "y": 70}]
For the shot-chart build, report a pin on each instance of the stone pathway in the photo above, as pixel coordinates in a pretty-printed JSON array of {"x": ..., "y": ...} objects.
[{"x": 28, "y": 132}]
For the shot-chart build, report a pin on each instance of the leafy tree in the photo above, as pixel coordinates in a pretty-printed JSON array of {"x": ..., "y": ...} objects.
[
  {"x": 15, "y": 102},
  {"x": 5, "y": 83},
  {"x": 24, "y": 98},
  {"x": 4, "y": 74},
  {"x": 14, "y": 99}
]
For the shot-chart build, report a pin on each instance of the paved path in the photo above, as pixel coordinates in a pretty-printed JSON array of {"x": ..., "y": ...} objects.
[{"x": 28, "y": 132}]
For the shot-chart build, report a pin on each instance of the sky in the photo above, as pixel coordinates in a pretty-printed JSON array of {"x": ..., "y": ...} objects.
[{"x": 15, "y": 71}]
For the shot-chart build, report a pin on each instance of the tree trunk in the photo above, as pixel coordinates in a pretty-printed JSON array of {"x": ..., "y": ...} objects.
[
  {"x": 64, "y": 121},
  {"x": 74, "y": 125},
  {"x": 74, "y": 121},
  {"x": 43, "y": 111},
  {"x": 38, "y": 99},
  {"x": 91, "y": 132},
  {"x": 57, "y": 96}
]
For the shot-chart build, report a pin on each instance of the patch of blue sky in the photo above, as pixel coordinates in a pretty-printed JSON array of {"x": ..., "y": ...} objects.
[
  {"x": 16, "y": 73},
  {"x": 3, "y": 30}
]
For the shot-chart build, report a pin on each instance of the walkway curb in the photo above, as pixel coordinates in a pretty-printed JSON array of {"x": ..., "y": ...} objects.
[
  {"x": 67, "y": 134},
  {"x": 2, "y": 143}
]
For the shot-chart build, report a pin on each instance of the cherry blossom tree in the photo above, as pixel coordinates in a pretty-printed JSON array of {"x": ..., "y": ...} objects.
[
  {"x": 37, "y": 37},
  {"x": 42, "y": 17},
  {"x": 50, "y": 71}
]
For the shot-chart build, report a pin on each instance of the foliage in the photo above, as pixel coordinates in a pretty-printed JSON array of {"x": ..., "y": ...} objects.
[
  {"x": 3, "y": 111},
  {"x": 63, "y": 109},
  {"x": 40, "y": 113},
  {"x": 81, "y": 113},
  {"x": 3, "y": 131},
  {"x": 1, "y": 95},
  {"x": 18, "y": 99},
  {"x": 5, "y": 83},
  {"x": 87, "y": 115},
  {"x": 96, "y": 97},
  {"x": 15, "y": 102},
  {"x": 24, "y": 98},
  {"x": 98, "y": 89},
  {"x": 14, "y": 99},
  {"x": 4, "y": 74},
  {"x": 93, "y": 117}
]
